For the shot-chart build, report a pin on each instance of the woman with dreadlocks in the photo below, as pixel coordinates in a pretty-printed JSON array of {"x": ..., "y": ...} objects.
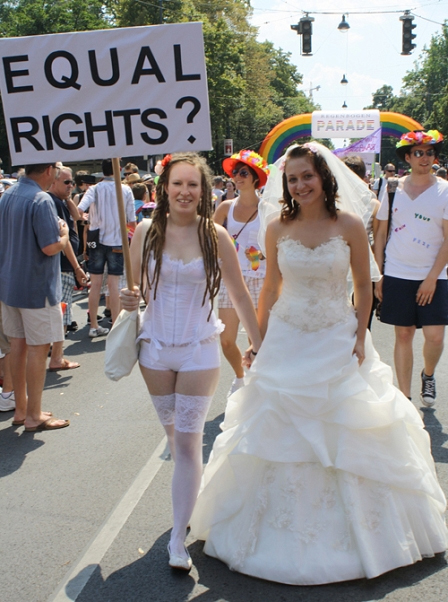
[{"x": 179, "y": 273}]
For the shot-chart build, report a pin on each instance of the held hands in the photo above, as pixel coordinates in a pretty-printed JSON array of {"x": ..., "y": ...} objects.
[
  {"x": 249, "y": 357},
  {"x": 130, "y": 299},
  {"x": 426, "y": 291}
]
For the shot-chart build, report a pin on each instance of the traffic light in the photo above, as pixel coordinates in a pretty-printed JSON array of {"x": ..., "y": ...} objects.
[
  {"x": 307, "y": 31},
  {"x": 407, "y": 44},
  {"x": 305, "y": 28}
]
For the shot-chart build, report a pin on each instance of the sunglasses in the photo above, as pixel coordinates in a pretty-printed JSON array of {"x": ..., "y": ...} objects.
[
  {"x": 127, "y": 173},
  {"x": 421, "y": 153},
  {"x": 390, "y": 170},
  {"x": 67, "y": 182},
  {"x": 243, "y": 172}
]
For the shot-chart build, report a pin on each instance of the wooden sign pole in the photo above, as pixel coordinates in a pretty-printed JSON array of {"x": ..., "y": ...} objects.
[{"x": 123, "y": 221}]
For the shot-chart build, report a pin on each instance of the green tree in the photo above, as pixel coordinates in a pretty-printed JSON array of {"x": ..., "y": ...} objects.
[
  {"x": 34, "y": 17},
  {"x": 424, "y": 96},
  {"x": 382, "y": 98},
  {"x": 252, "y": 85}
]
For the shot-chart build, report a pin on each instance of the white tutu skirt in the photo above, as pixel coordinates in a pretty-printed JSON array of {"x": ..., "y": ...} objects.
[{"x": 323, "y": 471}]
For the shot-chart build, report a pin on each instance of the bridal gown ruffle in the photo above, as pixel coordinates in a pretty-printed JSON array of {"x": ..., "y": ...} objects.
[{"x": 323, "y": 471}]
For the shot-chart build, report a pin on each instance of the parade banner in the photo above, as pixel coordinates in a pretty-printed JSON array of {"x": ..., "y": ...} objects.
[
  {"x": 371, "y": 144},
  {"x": 344, "y": 124},
  {"x": 109, "y": 93}
]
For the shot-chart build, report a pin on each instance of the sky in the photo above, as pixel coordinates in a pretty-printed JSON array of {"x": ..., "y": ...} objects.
[{"x": 369, "y": 54}]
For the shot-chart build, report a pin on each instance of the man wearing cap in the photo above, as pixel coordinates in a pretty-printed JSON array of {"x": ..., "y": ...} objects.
[{"x": 414, "y": 290}]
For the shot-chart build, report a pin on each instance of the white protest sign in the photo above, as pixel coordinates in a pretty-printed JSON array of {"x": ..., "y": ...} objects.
[
  {"x": 344, "y": 124},
  {"x": 108, "y": 93}
]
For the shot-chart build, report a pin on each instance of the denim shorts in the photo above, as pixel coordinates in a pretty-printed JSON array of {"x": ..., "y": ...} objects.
[
  {"x": 102, "y": 255},
  {"x": 400, "y": 308}
]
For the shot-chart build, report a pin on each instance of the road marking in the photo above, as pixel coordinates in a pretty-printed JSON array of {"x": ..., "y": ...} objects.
[{"x": 80, "y": 574}]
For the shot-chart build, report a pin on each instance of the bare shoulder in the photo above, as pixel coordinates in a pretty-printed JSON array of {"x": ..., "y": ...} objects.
[
  {"x": 275, "y": 228},
  {"x": 221, "y": 231},
  {"x": 223, "y": 235},
  {"x": 350, "y": 225},
  {"x": 222, "y": 211}
]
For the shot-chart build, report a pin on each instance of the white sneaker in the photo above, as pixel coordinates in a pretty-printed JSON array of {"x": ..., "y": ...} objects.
[
  {"x": 98, "y": 332},
  {"x": 236, "y": 384},
  {"x": 7, "y": 402}
]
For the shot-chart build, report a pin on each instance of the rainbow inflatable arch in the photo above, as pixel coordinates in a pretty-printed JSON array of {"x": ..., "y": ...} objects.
[{"x": 299, "y": 126}]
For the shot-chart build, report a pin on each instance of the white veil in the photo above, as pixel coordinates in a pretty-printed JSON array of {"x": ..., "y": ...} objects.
[{"x": 353, "y": 195}]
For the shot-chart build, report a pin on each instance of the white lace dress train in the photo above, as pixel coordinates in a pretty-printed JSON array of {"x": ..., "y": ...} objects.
[{"x": 323, "y": 471}]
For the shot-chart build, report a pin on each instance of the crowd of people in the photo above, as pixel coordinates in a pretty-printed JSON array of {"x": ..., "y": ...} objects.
[{"x": 323, "y": 471}]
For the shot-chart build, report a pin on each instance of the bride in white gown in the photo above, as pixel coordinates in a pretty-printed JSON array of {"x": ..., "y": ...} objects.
[{"x": 323, "y": 471}]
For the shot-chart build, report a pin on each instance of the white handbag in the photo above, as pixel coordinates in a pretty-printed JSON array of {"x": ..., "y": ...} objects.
[{"x": 122, "y": 347}]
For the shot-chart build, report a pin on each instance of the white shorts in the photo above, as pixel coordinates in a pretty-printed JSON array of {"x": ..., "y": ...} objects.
[{"x": 188, "y": 358}]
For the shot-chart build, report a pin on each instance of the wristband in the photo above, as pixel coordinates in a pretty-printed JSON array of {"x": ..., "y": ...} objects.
[{"x": 253, "y": 352}]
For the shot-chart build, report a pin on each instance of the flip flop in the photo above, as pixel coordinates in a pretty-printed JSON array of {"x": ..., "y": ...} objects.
[
  {"x": 22, "y": 422},
  {"x": 66, "y": 365},
  {"x": 47, "y": 425}
]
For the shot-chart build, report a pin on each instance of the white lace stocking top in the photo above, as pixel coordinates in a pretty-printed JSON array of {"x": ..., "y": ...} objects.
[
  {"x": 176, "y": 317},
  {"x": 314, "y": 293}
]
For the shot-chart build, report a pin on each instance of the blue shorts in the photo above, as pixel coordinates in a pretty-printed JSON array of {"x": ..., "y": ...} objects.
[
  {"x": 102, "y": 255},
  {"x": 400, "y": 308}
]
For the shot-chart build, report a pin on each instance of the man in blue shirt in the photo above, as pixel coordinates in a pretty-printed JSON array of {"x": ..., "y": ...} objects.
[{"x": 31, "y": 238}]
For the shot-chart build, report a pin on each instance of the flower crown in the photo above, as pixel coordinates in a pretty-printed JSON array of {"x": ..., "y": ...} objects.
[
  {"x": 414, "y": 138},
  {"x": 252, "y": 159}
]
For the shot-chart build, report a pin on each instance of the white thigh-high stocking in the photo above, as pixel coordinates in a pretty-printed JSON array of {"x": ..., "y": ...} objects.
[
  {"x": 165, "y": 408},
  {"x": 188, "y": 466}
]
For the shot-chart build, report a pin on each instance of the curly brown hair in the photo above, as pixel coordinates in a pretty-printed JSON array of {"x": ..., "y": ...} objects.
[
  {"x": 291, "y": 208},
  {"x": 208, "y": 237}
]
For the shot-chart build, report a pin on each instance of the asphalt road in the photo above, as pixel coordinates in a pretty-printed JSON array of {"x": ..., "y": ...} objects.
[{"x": 85, "y": 511}]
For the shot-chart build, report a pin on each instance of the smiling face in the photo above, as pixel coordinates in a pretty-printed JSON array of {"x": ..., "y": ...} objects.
[
  {"x": 303, "y": 181},
  {"x": 184, "y": 188},
  {"x": 243, "y": 177},
  {"x": 421, "y": 158}
]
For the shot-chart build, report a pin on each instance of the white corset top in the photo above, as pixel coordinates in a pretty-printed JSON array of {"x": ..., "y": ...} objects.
[
  {"x": 314, "y": 293},
  {"x": 176, "y": 317}
]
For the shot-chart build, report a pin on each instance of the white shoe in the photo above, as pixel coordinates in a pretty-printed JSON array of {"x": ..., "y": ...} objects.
[
  {"x": 180, "y": 562},
  {"x": 7, "y": 402},
  {"x": 236, "y": 384},
  {"x": 98, "y": 332}
]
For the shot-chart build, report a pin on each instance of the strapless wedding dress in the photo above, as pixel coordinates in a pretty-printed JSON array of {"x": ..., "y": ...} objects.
[{"x": 323, "y": 471}]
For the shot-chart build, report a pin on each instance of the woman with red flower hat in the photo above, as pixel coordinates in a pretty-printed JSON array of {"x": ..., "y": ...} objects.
[{"x": 240, "y": 216}]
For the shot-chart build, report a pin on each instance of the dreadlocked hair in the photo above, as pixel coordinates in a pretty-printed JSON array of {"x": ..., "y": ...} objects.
[
  {"x": 208, "y": 238},
  {"x": 291, "y": 208}
]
